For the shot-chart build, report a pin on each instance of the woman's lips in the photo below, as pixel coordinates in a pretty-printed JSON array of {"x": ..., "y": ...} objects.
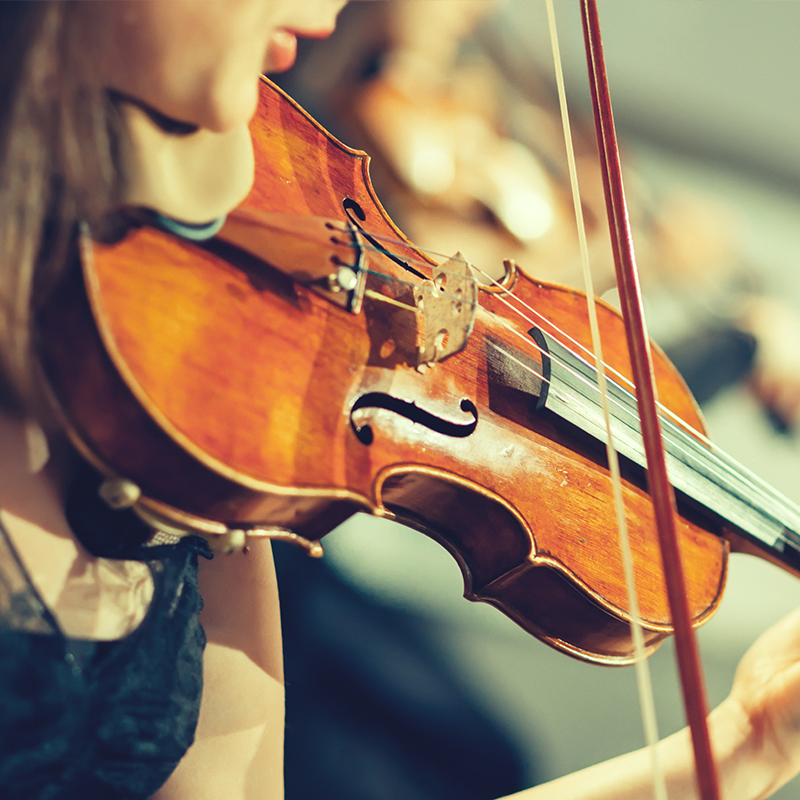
[{"x": 282, "y": 51}]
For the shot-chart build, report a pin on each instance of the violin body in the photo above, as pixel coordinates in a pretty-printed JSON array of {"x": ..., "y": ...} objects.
[{"x": 235, "y": 397}]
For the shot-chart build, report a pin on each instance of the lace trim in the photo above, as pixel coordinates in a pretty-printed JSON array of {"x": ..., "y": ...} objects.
[{"x": 160, "y": 538}]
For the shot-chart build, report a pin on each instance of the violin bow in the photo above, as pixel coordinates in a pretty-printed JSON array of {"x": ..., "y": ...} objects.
[{"x": 661, "y": 491}]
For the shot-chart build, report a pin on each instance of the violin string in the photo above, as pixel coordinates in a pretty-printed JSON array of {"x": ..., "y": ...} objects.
[
  {"x": 729, "y": 464},
  {"x": 492, "y": 282},
  {"x": 489, "y": 278},
  {"x": 568, "y": 342},
  {"x": 343, "y": 228},
  {"x": 732, "y": 467},
  {"x": 681, "y": 443},
  {"x": 735, "y": 471},
  {"x": 498, "y": 285},
  {"x": 500, "y": 296},
  {"x": 573, "y": 345}
]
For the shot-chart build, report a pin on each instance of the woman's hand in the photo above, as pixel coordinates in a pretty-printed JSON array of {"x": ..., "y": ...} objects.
[{"x": 765, "y": 698}]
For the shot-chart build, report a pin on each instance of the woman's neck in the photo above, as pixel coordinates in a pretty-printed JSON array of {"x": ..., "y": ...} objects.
[{"x": 31, "y": 483}]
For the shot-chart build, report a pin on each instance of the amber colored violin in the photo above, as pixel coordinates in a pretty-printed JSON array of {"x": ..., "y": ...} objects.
[{"x": 303, "y": 366}]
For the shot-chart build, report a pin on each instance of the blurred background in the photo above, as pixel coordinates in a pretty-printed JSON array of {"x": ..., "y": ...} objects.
[{"x": 454, "y": 100}]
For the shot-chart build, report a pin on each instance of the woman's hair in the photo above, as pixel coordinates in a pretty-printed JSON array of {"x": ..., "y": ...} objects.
[{"x": 58, "y": 165}]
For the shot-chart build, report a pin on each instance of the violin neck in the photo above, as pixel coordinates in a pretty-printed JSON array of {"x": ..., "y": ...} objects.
[{"x": 757, "y": 518}]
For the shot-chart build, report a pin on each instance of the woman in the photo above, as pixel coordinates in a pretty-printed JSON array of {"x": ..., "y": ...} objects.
[
  {"x": 129, "y": 102},
  {"x": 197, "y": 63}
]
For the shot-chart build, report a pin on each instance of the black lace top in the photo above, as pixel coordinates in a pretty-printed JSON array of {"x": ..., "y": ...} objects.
[{"x": 99, "y": 720}]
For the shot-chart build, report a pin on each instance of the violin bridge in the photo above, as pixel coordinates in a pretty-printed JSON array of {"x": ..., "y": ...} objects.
[
  {"x": 445, "y": 309},
  {"x": 435, "y": 326}
]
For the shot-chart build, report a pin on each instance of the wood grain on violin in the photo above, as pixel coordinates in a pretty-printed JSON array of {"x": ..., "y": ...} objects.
[{"x": 237, "y": 393}]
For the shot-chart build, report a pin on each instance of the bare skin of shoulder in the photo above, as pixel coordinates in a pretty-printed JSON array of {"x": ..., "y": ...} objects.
[{"x": 239, "y": 740}]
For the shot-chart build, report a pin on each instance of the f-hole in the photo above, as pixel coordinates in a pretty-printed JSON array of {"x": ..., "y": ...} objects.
[
  {"x": 356, "y": 215},
  {"x": 412, "y": 412}
]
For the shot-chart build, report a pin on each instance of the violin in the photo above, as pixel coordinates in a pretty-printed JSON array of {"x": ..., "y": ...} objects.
[{"x": 309, "y": 362}]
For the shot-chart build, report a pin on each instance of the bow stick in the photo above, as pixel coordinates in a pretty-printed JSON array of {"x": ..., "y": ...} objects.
[{"x": 661, "y": 491}]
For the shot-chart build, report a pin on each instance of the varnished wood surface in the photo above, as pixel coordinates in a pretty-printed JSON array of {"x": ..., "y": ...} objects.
[{"x": 231, "y": 392}]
